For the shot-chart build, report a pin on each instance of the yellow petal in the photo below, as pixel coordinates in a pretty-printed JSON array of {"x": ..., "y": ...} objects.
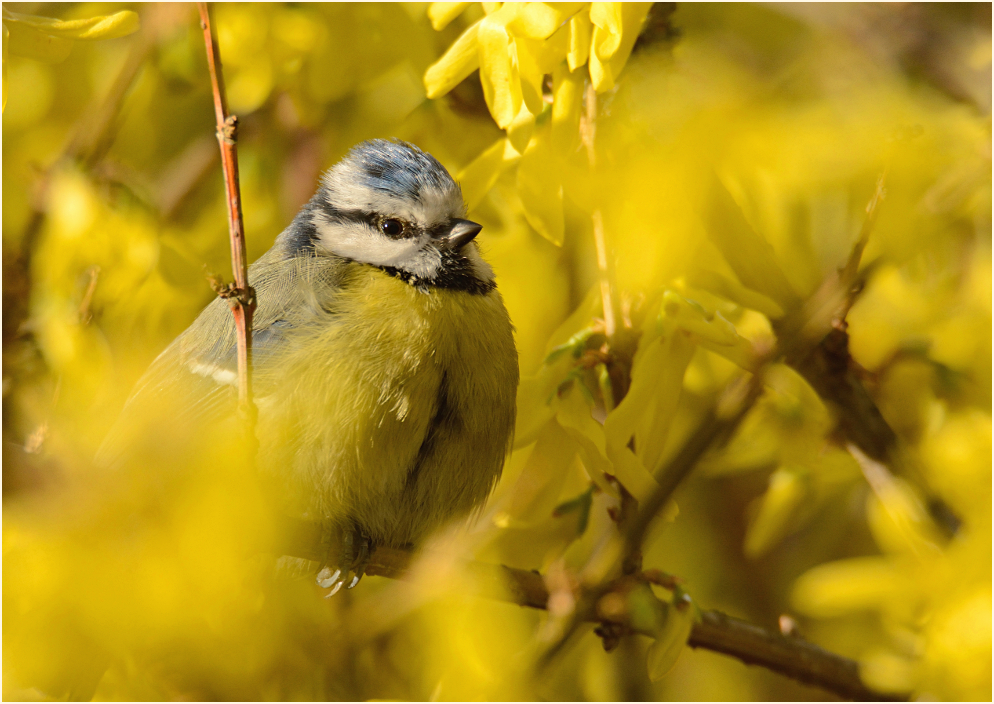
[
  {"x": 737, "y": 293},
  {"x": 600, "y": 71},
  {"x": 606, "y": 17},
  {"x": 573, "y": 414},
  {"x": 540, "y": 190},
  {"x": 529, "y": 55},
  {"x": 499, "y": 76},
  {"x": 455, "y": 65},
  {"x": 608, "y": 60},
  {"x": 520, "y": 131},
  {"x": 670, "y": 641},
  {"x": 711, "y": 330},
  {"x": 491, "y": 7},
  {"x": 648, "y": 410},
  {"x": 632, "y": 474},
  {"x": 482, "y": 173},
  {"x": 442, "y": 13},
  {"x": 580, "y": 30},
  {"x": 742, "y": 354},
  {"x": 749, "y": 255},
  {"x": 119, "y": 24},
  {"x": 887, "y": 672},
  {"x": 567, "y": 103},
  {"x": 539, "y": 20},
  {"x": 844, "y": 586},
  {"x": 633, "y": 15},
  {"x": 785, "y": 493},
  {"x": 693, "y": 318},
  {"x": 538, "y": 486},
  {"x": 28, "y": 42},
  {"x": 534, "y": 409},
  {"x": 898, "y": 520},
  {"x": 646, "y": 374},
  {"x": 535, "y": 59},
  {"x": 554, "y": 50}
]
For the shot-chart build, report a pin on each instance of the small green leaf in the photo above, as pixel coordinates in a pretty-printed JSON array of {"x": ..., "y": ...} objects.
[
  {"x": 581, "y": 504},
  {"x": 575, "y": 345}
]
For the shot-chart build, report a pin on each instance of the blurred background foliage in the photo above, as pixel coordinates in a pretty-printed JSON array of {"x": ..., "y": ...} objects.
[{"x": 138, "y": 587}]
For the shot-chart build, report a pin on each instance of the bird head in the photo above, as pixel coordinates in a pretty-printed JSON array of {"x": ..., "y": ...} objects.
[{"x": 393, "y": 206}]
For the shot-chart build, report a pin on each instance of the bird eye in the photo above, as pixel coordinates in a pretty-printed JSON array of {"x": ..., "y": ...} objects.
[{"x": 392, "y": 227}]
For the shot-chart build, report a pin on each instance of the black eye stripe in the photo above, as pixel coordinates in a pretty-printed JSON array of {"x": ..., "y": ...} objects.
[{"x": 375, "y": 221}]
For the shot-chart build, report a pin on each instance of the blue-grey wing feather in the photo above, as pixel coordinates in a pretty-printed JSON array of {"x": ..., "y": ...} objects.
[{"x": 195, "y": 378}]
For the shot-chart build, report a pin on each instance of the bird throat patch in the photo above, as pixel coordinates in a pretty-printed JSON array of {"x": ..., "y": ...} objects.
[{"x": 455, "y": 274}]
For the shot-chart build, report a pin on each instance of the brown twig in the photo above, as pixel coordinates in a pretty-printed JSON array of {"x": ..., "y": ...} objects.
[
  {"x": 718, "y": 632},
  {"x": 823, "y": 358},
  {"x": 788, "y": 655},
  {"x": 242, "y": 296}
]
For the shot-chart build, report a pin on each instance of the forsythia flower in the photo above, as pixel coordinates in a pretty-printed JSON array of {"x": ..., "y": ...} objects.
[{"x": 515, "y": 46}]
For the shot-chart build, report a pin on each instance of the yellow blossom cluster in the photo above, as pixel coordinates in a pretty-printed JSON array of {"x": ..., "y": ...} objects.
[{"x": 516, "y": 46}]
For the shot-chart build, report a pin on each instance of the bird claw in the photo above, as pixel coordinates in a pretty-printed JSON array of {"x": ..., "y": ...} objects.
[
  {"x": 327, "y": 578},
  {"x": 354, "y": 556},
  {"x": 334, "y": 590}
]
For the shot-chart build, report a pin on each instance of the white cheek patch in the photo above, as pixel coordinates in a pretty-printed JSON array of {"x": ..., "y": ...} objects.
[{"x": 363, "y": 244}]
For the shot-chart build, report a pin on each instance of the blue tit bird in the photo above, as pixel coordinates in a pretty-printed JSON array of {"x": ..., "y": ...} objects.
[{"x": 385, "y": 369}]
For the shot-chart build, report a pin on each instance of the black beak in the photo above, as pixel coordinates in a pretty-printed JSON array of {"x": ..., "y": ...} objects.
[{"x": 462, "y": 233}]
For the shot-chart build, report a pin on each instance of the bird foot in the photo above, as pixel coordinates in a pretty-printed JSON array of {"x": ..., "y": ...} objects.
[{"x": 347, "y": 567}]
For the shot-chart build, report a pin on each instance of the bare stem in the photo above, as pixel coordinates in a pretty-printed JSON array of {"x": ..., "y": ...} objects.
[
  {"x": 242, "y": 296},
  {"x": 787, "y": 655}
]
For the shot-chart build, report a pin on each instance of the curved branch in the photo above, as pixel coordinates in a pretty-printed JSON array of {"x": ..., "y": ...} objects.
[{"x": 787, "y": 655}]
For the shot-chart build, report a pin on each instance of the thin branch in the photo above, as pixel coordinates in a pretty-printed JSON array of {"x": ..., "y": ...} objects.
[
  {"x": 241, "y": 296},
  {"x": 821, "y": 355},
  {"x": 787, "y": 655}
]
